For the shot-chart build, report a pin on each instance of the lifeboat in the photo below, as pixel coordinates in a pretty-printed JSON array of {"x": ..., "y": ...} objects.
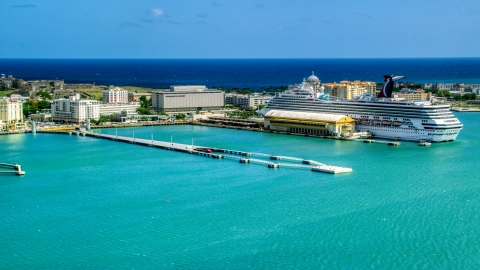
[
  {"x": 376, "y": 122},
  {"x": 396, "y": 123},
  {"x": 386, "y": 122}
]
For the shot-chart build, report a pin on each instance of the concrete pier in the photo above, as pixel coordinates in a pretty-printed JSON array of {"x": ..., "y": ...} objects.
[
  {"x": 218, "y": 153},
  {"x": 17, "y": 169}
]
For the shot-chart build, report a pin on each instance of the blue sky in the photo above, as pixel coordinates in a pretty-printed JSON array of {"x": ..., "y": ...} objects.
[{"x": 239, "y": 29}]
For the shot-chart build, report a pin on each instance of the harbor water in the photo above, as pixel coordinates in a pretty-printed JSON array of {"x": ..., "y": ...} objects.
[{"x": 98, "y": 204}]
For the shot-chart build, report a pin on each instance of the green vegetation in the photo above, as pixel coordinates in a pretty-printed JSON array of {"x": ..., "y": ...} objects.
[
  {"x": 33, "y": 106},
  {"x": 145, "y": 111},
  {"x": 469, "y": 96},
  {"x": 442, "y": 94},
  {"x": 4, "y": 93},
  {"x": 44, "y": 95},
  {"x": 243, "y": 114},
  {"x": 180, "y": 116},
  {"x": 102, "y": 119},
  {"x": 144, "y": 102}
]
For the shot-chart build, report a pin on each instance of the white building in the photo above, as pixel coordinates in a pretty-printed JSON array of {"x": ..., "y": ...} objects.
[
  {"x": 187, "y": 99},
  {"x": 11, "y": 113},
  {"x": 109, "y": 109},
  {"x": 115, "y": 96},
  {"x": 75, "y": 110},
  {"x": 245, "y": 102}
]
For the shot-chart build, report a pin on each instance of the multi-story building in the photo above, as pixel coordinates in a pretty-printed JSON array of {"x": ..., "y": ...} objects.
[
  {"x": 75, "y": 110},
  {"x": 245, "y": 102},
  {"x": 109, "y": 109},
  {"x": 11, "y": 114},
  {"x": 414, "y": 95},
  {"x": 115, "y": 96},
  {"x": 188, "y": 99},
  {"x": 348, "y": 89},
  {"x": 446, "y": 86}
]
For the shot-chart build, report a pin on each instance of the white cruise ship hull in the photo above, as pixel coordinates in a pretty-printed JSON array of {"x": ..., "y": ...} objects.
[{"x": 409, "y": 134}]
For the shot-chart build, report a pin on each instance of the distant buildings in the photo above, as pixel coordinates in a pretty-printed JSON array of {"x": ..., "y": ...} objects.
[
  {"x": 188, "y": 99},
  {"x": 246, "y": 102},
  {"x": 135, "y": 97},
  {"x": 414, "y": 95},
  {"x": 109, "y": 109},
  {"x": 75, "y": 110},
  {"x": 115, "y": 96},
  {"x": 348, "y": 89},
  {"x": 11, "y": 114}
]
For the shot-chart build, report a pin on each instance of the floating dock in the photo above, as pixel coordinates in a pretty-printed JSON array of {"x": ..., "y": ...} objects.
[
  {"x": 17, "y": 169},
  {"x": 331, "y": 169},
  {"x": 217, "y": 153}
]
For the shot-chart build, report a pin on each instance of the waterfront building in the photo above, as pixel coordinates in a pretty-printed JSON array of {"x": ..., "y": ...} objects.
[
  {"x": 109, "y": 109},
  {"x": 309, "y": 123},
  {"x": 246, "y": 102},
  {"x": 188, "y": 99},
  {"x": 41, "y": 117},
  {"x": 349, "y": 90},
  {"x": 75, "y": 110},
  {"x": 11, "y": 113},
  {"x": 115, "y": 96}
]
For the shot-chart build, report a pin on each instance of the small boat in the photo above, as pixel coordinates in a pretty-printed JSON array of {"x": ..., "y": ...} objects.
[{"x": 424, "y": 143}]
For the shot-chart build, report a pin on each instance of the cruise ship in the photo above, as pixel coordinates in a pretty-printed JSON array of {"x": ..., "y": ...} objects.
[{"x": 382, "y": 117}]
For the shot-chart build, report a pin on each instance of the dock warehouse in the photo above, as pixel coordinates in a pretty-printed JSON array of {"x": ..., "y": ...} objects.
[{"x": 309, "y": 123}]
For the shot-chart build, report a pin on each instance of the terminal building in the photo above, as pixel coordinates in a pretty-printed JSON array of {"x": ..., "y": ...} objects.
[
  {"x": 320, "y": 124},
  {"x": 188, "y": 99}
]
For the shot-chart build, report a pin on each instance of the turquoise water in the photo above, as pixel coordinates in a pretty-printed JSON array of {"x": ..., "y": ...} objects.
[{"x": 98, "y": 204}]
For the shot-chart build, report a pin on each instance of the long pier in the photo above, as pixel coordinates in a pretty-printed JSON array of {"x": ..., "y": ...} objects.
[
  {"x": 17, "y": 169},
  {"x": 243, "y": 157}
]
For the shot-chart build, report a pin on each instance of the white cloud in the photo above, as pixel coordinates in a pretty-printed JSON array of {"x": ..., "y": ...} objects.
[{"x": 156, "y": 12}]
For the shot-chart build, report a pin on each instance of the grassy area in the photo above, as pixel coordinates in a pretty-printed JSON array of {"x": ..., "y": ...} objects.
[
  {"x": 5, "y": 93},
  {"x": 96, "y": 89},
  {"x": 138, "y": 89},
  {"x": 96, "y": 95}
]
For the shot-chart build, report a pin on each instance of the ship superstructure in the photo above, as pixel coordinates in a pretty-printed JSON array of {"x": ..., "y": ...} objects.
[{"x": 386, "y": 117}]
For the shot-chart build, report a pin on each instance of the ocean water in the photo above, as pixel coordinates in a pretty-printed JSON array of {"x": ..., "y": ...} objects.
[
  {"x": 88, "y": 203},
  {"x": 240, "y": 73}
]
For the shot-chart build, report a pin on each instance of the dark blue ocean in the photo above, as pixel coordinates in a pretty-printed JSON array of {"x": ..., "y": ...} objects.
[{"x": 240, "y": 73}]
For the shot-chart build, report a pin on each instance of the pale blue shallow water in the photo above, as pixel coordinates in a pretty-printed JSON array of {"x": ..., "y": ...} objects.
[{"x": 98, "y": 204}]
